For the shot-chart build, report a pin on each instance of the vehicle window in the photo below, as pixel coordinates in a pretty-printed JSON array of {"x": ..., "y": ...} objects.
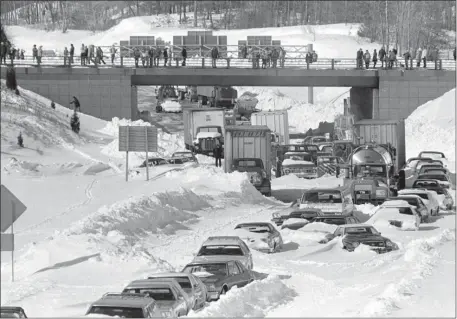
[
  {"x": 162, "y": 162},
  {"x": 184, "y": 282},
  {"x": 331, "y": 221},
  {"x": 425, "y": 184},
  {"x": 319, "y": 140},
  {"x": 211, "y": 250},
  {"x": 240, "y": 267},
  {"x": 299, "y": 157},
  {"x": 421, "y": 195},
  {"x": 256, "y": 229},
  {"x": 218, "y": 269},
  {"x": 245, "y": 247},
  {"x": 311, "y": 148},
  {"x": 369, "y": 170},
  {"x": 361, "y": 230},
  {"x": 321, "y": 197},
  {"x": 405, "y": 211},
  {"x": 233, "y": 269},
  {"x": 123, "y": 312},
  {"x": 437, "y": 177},
  {"x": 435, "y": 156},
  {"x": 409, "y": 200},
  {"x": 154, "y": 293},
  {"x": 338, "y": 231}
]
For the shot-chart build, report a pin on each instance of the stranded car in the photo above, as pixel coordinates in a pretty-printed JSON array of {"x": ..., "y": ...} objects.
[
  {"x": 397, "y": 213},
  {"x": 299, "y": 164},
  {"x": 260, "y": 236},
  {"x": 12, "y": 312},
  {"x": 220, "y": 276},
  {"x": 192, "y": 286},
  {"x": 429, "y": 184},
  {"x": 185, "y": 156},
  {"x": 336, "y": 220},
  {"x": 297, "y": 219},
  {"x": 171, "y": 300},
  {"x": 124, "y": 306},
  {"x": 429, "y": 197},
  {"x": 413, "y": 200},
  {"x": 442, "y": 179},
  {"x": 225, "y": 248},
  {"x": 329, "y": 200},
  {"x": 155, "y": 161},
  {"x": 356, "y": 234}
]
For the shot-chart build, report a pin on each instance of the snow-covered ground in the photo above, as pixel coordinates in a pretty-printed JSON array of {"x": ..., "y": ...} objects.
[{"x": 87, "y": 231}]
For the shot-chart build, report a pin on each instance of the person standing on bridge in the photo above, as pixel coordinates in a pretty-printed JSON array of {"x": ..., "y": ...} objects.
[
  {"x": 407, "y": 57},
  {"x": 274, "y": 57},
  {"x": 382, "y": 56},
  {"x": 367, "y": 58},
  {"x": 82, "y": 55},
  {"x": 282, "y": 56},
  {"x": 424, "y": 57},
  {"x": 86, "y": 55},
  {"x": 112, "y": 51},
  {"x": 157, "y": 56},
  {"x": 418, "y": 57},
  {"x": 360, "y": 59},
  {"x": 34, "y": 53},
  {"x": 165, "y": 57},
  {"x": 65, "y": 57},
  {"x": 151, "y": 56},
  {"x": 184, "y": 56},
  {"x": 214, "y": 56},
  {"x": 72, "y": 53},
  {"x": 40, "y": 54},
  {"x": 3, "y": 52},
  {"x": 136, "y": 56},
  {"x": 218, "y": 154},
  {"x": 375, "y": 58}
]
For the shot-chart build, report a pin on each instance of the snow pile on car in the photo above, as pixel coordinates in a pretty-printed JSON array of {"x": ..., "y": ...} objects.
[
  {"x": 171, "y": 106},
  {"x": 253, "y": 300},
  {"x": 432, "y": 127},
  {"x": 167, "y": 143},
  {"x": 292, "y": 181},
  {"x": 419, "y": 259}
]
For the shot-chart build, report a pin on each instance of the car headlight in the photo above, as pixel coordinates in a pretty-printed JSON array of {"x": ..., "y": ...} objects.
[
  {"x": 166, "y": 314},
  {"x": 389, "y": 243}
]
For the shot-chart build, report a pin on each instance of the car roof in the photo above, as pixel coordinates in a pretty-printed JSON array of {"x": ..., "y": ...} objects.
[
  {"x": 395, "y": 203},
  {"x": 165, "y": 275},
  {"x": 124, "y": 300},
  {"x": 208, "y": 262},
  {"x": 403, "y": 196},
  {"x": 152, "y": 283},
  {"x": 413, "y": 190},
  {"x": 254, "y": 224},
  {"x": 222, "y": 240},
  {"x": 325, "y": 189}
]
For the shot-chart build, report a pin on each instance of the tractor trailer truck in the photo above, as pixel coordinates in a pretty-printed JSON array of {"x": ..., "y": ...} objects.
[
  {"x": 248, "y": 149},
  {"x": 277, "y": 122},
  {"x": 203, "y": 129}
]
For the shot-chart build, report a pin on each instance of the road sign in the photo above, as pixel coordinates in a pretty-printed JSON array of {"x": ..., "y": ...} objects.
[
  {"x": 11, "y": 208},
  {"x": 135, "y": 139},
  {"x": 7, "y": 242}
]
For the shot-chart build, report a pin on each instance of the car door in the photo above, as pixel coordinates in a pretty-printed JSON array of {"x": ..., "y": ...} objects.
[
  {"x": 243, "y": 274},
  {"x": 182, "y": 305},
  {"x": 199, "y": 293},
  {"x": 234, "y": 278},
  {"x": 247, "y": 253}
]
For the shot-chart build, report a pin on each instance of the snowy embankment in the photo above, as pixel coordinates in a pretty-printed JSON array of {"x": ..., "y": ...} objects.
[{"x": 431, "y": 127}]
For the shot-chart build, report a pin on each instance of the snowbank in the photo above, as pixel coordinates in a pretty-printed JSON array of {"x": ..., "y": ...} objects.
[
  {"x": 167, "y": 143},
  {"x": 292, "y": 181},
  {"x": 431, "y": 127},
  {"x": 253, "y": 300}
]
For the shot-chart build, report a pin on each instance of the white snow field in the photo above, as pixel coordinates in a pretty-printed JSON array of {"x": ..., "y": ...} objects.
[{"x": 87, "y": 231}]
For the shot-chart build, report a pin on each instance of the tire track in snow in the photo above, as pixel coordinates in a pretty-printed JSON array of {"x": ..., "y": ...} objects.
[{"x": 87, "y": 200}]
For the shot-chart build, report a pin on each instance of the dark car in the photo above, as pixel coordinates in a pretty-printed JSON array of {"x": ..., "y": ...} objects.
[
  {"x": 12, "y": 312},
  {"x": 429, "y": 184},
  {"x": 175, "y": 161},
  {"x": 440, "y": 177},
  {"x": 354, "y": 235},
  {"x": 220, "y": 276},
  {"x": 185, "y": 156},
  {"x": 154, "y": 162},
  {"x": 336, "y": 220}
]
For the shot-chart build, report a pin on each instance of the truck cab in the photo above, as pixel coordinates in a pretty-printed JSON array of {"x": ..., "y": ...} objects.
[
  {"x": 299, "y": 164},
  {"x": 207, "y": 138}
]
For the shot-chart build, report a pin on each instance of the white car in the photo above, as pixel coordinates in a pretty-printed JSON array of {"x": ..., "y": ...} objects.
[
  {"x": 430, "y": 198},
  {"x": 260, "y": 236},
  {"x": 397, "y": 213},
  {"x": 448, "y": 201}
]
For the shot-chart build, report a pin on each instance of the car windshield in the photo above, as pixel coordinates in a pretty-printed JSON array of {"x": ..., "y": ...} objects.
[
  {"x": 331, "y": 221},
  {"x": 401, "y": 210},
  {"x": 369, "y": 170},
  {"x": 425, "y": 184},
  {"x": 208, "y": 129},
  {"x": 410, "y": 200},
  {"x": 311, "y": 148},
  {"x": 184, "y": 282},
  {"x": 218, "y": 269},
  {"x": 122, "y": 312},
  {"x": 319, "y": 140},
  {"x": 361, "y": 230},
  {"x": 299, "y": 157},
  {"x": 437, "y": 177},
  {"x": 329, "y": 196},
  {"x": 248, "y": 163},
  {"x": 332, "y": 160},
  {"x": 261, "y": 229},
  {"x": 154, "y": 293},
  {"x": 432, "y": 155},
  {"x": 421, "y": 195},
  {"x": 229, "y": 250}
]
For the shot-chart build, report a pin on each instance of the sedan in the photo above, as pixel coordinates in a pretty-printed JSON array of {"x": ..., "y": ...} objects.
[
  {"x": 185, "y": 156},
  {"x": 354, "y": 235},
  {"x": 220, "y": 276},
  {"x": 191, "y": 284},
  {"x": 415, "y": 201},
  {"x": 260, "y": 236},
  {"x": 397, "y": 213},
  {"x": 430, "y": 198}
]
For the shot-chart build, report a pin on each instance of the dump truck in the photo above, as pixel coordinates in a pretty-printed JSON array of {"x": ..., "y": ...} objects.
[
  {"x": 248, "y": 149},
  {"x": 203, "y": 129},
  {"x": 277, "y": 122},
  {"x": 217, "y": 96}
]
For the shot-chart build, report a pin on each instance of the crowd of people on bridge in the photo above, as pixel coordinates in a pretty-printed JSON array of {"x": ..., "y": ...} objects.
[
  {"x": 390, "y": 58},
  {"x": 11, "y": 52}
]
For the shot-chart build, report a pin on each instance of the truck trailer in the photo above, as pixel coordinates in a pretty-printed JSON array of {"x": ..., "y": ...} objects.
[
  {"x": 248, "y": 149},
  {"x": 203, "y": 129},
  {"x": 217, "y": 96},
  {"x": 277, "y": 122}
]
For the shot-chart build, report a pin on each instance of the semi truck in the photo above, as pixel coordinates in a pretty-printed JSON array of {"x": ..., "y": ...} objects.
[
  {"x": 277, "y": 122},
  {"x": 248, "y": 149},
  {"x": 203, "y": 129},
  {"x": 216, "y": 96}
]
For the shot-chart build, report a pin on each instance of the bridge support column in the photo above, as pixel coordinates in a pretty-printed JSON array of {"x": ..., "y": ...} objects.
[
  {"x": 361, "y": 103},
  {"x": 310, "y": 95},
  {"x": 134, "y": 103},
  {"x": 375, "y": 111}
]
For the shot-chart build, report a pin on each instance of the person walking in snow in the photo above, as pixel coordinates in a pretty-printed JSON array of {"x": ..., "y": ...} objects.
[
  {"x": 418, "y": 57},
  {"x": 375, "y": 58},
  {"x": 367, "y": 58},
  {"x": 382, "y": 56},
  {"x": 424, "y": 57},
  {"x": 76, "y": 103},
  {"x": 218, "y": 154}
]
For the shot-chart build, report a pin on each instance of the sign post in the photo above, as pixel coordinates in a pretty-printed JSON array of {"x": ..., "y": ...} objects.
[
  {"x": 11, "y": 209},
  {"x": 138, "y": 139}
]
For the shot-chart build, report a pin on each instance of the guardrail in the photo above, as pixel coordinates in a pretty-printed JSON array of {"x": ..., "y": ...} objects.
[{"x": 204, "y": 62}]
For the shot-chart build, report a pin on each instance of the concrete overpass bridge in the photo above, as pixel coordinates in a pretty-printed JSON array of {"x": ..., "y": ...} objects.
[{"x": 112, "y": 92}]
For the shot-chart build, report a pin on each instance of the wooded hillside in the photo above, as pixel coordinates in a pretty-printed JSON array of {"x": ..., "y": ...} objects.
[{"x": 406, "y": 24}]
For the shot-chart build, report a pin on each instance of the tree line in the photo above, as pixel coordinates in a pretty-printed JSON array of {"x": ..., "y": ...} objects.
[{"x": 402, "y": 24}]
